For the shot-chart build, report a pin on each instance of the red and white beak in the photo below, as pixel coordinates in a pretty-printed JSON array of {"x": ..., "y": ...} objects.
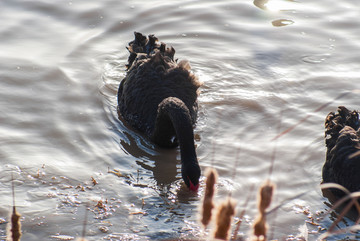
[{"x": 193, "y": 187}]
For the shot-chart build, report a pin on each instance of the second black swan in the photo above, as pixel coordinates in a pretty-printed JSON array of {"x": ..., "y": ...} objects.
[
  {"x": 342, "y": 165},
  {"x": 158, "y": 97}
]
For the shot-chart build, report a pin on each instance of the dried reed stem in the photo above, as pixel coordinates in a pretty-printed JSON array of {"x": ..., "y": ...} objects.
[
  {"x": 224, "y": 216},
  {"x": 353, "y": 202},
  {"x": 208, "y": 204},
  {"x": 241, "y": 216},
  {"x": 309, "y": 115},
  {"x": 353, "y": 228},
  {"x": 349, "y": 195},
  {"x": 84, "y": 225}
]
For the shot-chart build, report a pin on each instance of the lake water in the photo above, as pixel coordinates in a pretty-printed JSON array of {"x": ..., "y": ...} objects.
[{"x": 263, "y": 65}]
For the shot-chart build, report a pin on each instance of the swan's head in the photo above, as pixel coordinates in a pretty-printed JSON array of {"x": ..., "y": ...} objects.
[{"x": 191, "y": 174}]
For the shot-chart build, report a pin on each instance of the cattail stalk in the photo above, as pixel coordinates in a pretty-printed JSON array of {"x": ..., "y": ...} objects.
[
  {"x": 237, "y": 227},
  {"x": 208, "y": 204}
]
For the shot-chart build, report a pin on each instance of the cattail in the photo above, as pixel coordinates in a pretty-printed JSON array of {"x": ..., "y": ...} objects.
[
  {"x": 260, "y": 227},
  {"x": 14, "y": 227},
  {"x": 224, "y": 215},
  {"x": 264, "y": 199},
  {"x": 265, "y": 196},
  {"x": 208, "y": 205}
]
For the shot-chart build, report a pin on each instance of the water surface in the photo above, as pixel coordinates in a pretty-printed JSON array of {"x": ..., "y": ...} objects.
[{"x": 264, "y": 64}]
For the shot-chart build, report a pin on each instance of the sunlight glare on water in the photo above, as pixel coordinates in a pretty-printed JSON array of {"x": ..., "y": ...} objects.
[{"x": 277, "y": 5}]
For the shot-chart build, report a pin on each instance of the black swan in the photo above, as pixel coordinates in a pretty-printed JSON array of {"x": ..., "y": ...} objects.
[
  {"x": 342, "y": 165},
  {"x": 158, "y": 97}
]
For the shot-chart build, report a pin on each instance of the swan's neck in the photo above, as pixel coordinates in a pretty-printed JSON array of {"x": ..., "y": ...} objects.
[{"x": 173, "y": 119}]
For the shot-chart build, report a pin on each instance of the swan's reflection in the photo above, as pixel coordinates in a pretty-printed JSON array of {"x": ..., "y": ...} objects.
[
  {"x": 352, "y": 214},
  {"x": 160, "y": 161}
]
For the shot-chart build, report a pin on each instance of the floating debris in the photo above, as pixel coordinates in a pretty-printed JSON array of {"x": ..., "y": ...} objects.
[
  {"x": 62, "y": 237},
  {"x": 117, "y": 173},
  {"x": 94, "y": 181},
  {"x": 140, "y": 185},
  {"x": 82, "y": 188},
  {"x": 315, "y": 58},
  {"x": 101, "y": 205},
  {"x": 282, "y": 22},
  {"x": 104, "y": 229}
]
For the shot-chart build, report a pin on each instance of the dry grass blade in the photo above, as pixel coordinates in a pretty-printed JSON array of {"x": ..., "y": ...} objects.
[
  {"x": 241, "y": 216},
  {"x": 309, "y": 115},
  {"x": 285, "y": 202},
  {"x": 213, "y": 144},
  {"x": 354, "y": 201},
  {"x": 208, "y": 205},
  {"x": 224, "y": 216},
  {"x": 84, "y": 225},
  {"x": 349, "y": 195},
  {"x": 273, "y": 155},
  {"x": 354, "y": 155},
  {"x": 334, "y": 185},
  {"x": 342, "y": 215},
  {"x": 340, "y": 231}
]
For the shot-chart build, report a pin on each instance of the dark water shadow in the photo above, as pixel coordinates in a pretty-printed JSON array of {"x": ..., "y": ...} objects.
[
  {"x": 161, "y": 162},
  {"x": 352, "y": 214},
  {"x": 164, "y": 163}
]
